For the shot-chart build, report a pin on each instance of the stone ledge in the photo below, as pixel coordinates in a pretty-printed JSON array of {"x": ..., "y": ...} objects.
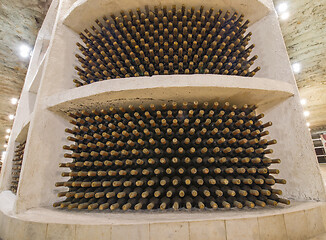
[
  {"x": 300, "y": 220},
  {"x": 158, "y": 89},
  {"x": 83, "y": 13}
]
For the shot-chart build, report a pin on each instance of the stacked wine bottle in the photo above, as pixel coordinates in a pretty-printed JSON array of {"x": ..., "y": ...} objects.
[
  {"x": 16, "y": 166},
  {"x": 179, "y": 156},
  {"x": 163, "y": 41}
]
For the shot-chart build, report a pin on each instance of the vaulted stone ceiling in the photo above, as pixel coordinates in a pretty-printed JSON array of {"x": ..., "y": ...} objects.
[
  {"x": 20, "y": 21},
  {"x": 304, "y": 34}
]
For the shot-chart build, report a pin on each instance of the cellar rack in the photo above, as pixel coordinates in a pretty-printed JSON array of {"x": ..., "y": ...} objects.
[
  {"x": 319, "y": 147},
  {"x": 273, "y": 88}
]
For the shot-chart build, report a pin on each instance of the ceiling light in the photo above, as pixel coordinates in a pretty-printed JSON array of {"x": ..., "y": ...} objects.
[
  {"x": 7, "y": 136},
  {"x": 282, "y": 7},
  {"x": 6, "y": 145},
  {"x": 285, "y": 15},
  {"x": 11, "y": 117},
  {"x": 14, "y": 101},
  {"x": 3, "y": 155},
  {"x": 306, "y": 113},
  {"x": 303, "y": 101},
  {"x": 296, "y": 67},
  {"x": 25, "y": 50},
  {"x": 8, "y": 130},
  {"x": 308, "y": 124}
]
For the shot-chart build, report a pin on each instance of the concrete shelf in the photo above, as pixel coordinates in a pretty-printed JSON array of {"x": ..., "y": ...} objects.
[
  {"x": 301, "y": 220},
  {"x": 158, "y": 89},
  {"x": 83, "y": 12}
]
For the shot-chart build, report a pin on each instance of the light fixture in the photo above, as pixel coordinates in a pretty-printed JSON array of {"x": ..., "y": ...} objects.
[
  {"x": 309, "y": 129},
  {"x": 308, "y": 124},
  {"x": 11, "y": 117},
  {"x": 25, "y": 50},
  {"x": 285, "y": 15},
  {"x": 3, "y": 155},
  {"x": 6, "y": 145},
  {"x": 14, "y": 101},
  {"x": 282, "y": 7},
  {"x": 296, "y": 67},
  {"x": 303, "y": 101},
  {"x": 306, "y": 113},
  {"x": 7, "y": 137}
]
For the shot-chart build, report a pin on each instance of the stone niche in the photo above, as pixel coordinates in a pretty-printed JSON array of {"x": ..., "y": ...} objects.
[{"x": 49, "y": 93}]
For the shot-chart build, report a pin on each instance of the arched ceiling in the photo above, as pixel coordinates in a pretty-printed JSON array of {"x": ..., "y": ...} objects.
[
  {"x": 304, "y": 33},
  {"x": 19, "y": 24}
]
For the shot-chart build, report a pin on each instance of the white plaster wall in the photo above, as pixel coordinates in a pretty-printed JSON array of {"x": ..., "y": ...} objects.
[
  {"x": 45, "y": 139},
  {"x": 299, "y": 164},
  {"x": 270, "y": 49}
]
